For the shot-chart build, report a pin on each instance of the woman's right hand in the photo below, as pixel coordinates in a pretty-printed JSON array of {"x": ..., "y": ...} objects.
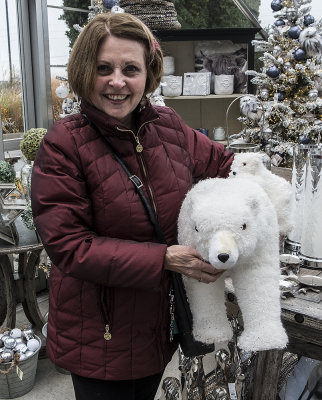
[{"x": 187, "y": 261}]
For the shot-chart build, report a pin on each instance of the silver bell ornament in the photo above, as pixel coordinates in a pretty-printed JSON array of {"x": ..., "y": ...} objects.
[
  {"x": 7, "y": 356},
  {"x": 313, "y": 94},
  {"x": 9, "y": 342},
  {"x": 291, "y": 14}
]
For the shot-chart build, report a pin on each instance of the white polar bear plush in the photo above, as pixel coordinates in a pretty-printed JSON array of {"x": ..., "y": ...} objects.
[
  {"x": 277, "y": 188},
  {"x": 233, "y": 225}
]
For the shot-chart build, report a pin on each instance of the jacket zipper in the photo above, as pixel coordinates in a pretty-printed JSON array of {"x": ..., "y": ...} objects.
[
  {"x": 106, "y": 310},
  {"x": 139, "y": 149}
]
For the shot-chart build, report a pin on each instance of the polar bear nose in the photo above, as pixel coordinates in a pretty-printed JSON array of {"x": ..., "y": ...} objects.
[
  {"x": 223, "y": 257},
  {"x": 234, "y": 173}
]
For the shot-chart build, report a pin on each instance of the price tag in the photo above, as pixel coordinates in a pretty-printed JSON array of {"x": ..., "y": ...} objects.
[
  {"x": 19, "y": 372},
  {"x": 232, "y": 391}
]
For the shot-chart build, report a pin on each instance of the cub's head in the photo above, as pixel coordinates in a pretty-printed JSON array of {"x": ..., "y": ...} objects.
[
  {"x": 219, "y": 219},
  {"x": 249, "y": 163}
]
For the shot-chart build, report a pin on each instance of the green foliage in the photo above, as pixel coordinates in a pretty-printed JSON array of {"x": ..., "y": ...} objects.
[
  {"x": 74, "y": 17},
  {"x": 30, "y": 142},
  {"x": 207, "y": 14},
  {"x": 27, "y": 217},
  {"x": 7, "y": 172}
]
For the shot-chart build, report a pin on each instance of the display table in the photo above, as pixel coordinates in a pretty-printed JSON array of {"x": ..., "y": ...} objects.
[
  {"x": 302, "y": 319},
  {"x": 19, "y": 287}
]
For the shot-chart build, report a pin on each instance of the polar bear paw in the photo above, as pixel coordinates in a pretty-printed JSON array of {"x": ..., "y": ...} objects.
[
  {"x": 265, "y": 340},
  {"x": 212, "y": 334}
]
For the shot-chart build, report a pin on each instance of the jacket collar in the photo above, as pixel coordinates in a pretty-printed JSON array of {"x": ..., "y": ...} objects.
[{"x": 109, "y": 125}]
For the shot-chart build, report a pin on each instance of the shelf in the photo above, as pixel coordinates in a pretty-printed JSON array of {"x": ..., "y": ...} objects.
[{"x": 209, "y": 97}]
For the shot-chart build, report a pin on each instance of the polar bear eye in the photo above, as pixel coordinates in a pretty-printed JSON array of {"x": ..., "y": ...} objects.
[
  {"x": 196, "y": 229},
  {"x": 244, "y": 226},
  {"x": 244, "y": 164}
]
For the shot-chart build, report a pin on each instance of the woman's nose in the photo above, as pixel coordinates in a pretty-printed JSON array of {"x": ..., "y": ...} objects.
[{"x": 117, "y": 79}]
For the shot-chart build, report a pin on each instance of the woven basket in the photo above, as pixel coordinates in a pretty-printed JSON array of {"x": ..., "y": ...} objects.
[
  {"x": 10, "y": 384},
  {"x": 156, "y": 14}
]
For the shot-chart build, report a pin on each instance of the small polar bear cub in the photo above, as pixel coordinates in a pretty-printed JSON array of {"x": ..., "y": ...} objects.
[
  {"x": 277, "y": 188},
  {"x": 233, "y": 225}
]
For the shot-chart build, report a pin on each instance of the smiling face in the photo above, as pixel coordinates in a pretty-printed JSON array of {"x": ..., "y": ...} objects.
[{"x": 120, "y": 78}]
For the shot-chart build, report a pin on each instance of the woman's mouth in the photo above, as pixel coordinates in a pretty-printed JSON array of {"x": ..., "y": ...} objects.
[{"x": 116, "y": 97}]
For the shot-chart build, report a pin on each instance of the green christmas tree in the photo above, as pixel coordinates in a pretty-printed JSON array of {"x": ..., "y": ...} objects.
[{"x": 289, "y": 84}]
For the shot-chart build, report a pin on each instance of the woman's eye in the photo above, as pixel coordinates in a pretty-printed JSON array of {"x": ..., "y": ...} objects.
[
  {"x": 130, "y": 69},
  {"x": 196, "y": 229},
  {"x": 104, "y": 69},
  {"x": 244, "y": 226}
]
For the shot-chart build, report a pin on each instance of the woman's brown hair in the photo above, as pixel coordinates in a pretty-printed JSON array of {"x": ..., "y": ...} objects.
[{"x": 82, "y": 62}]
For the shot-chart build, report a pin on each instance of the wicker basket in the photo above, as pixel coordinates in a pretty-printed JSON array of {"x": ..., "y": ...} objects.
[{"x": 10, "y": 384}]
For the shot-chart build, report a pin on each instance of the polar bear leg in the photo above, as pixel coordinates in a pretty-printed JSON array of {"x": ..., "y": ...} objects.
[
  {"x": 258, "y": 295},
  {"x": 207, "y": 303}
]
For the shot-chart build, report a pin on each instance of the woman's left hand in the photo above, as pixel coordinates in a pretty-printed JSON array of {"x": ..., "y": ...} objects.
[{"x": 187, "y": 261}]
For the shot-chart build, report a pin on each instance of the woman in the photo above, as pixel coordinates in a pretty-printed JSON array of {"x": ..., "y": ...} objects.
[{"x": 109, "y": 290}]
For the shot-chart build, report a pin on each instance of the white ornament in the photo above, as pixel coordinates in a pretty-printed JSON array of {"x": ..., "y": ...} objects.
[
  {"x": 62, "y": 91},
  {"x": 15, "y": 333},
  {"x": 33, "y": 345}
]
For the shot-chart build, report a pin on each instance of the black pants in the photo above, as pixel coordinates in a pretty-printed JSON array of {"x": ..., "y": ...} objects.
[{"x": 96, "y": 389}]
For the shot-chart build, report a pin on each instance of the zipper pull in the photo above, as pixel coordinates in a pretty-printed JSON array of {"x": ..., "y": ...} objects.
[
  {"x": 107, "y": 334},
  {"x": 139, "y": 148}
]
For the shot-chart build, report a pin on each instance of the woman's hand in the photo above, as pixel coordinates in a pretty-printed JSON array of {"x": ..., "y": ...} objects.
[{"x": 188, "y": 261}]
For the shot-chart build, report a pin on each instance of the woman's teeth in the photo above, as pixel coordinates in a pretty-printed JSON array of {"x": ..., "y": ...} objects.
[{"x": 116, "y": 96}]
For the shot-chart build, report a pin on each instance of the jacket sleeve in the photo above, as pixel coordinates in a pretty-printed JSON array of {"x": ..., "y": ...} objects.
[
  {"x": 62, "y": 214},
  {"x": 210, "y": 159}
]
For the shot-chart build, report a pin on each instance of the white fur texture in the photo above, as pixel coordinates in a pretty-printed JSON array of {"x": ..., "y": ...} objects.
[
  {"x": 234, "y": 218},
  {"x": 276, "y": 187}
]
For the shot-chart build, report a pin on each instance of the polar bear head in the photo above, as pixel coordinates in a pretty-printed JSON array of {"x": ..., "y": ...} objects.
[
  {"x": 226, "y": 220},
  {"x": 250, "y": 163}
]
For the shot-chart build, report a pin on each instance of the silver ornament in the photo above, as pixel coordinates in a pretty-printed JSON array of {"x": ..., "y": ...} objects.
[
  {"x": 264, "y": 94},
  {"x": 220, "y": 393},
  {"x": 29, "y": 353},
  {"x": 291, "y": 14},
  {"x": 277, "y": 50},
  {"x": 9, "y": 342},
  {"x": 7, "y": 355},
  {"x": 313, "y": 94},
  {"x": 287, "y": 66},
  {"x": 21, "y": 348},
  {"x": 28, "y": 334},
  {"x": 19, "y": 341}
]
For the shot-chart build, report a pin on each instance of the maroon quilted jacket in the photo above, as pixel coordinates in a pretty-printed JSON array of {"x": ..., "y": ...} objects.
[{"x": 107, "y": 264}]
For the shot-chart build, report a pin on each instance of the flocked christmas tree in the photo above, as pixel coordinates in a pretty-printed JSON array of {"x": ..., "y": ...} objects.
[{"x": 289, "y": 84}]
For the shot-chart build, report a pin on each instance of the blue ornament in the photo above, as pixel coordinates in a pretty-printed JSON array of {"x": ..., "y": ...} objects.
[
  {"x": 281, "y": 96},
  {"x": 299, "y": 54},
  {"x": 279, "y": 22},
  {"x": 273, "y": 71},
  {"x": 294, "y": 32},
  {"x": 276, "y": 5},
  {"x": 308, "y": 19},
  {"x": 108, "y": 3},
  {"x": 303, "y": 139}
]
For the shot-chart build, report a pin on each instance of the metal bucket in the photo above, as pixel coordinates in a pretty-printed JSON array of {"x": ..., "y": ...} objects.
[
  {"x": 244, "y": 147},
  {"x": 10, "y": 384}
]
